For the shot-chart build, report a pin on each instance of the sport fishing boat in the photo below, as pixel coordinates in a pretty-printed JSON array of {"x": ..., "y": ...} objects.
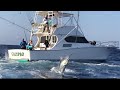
[{"x": 65, "y": 39}]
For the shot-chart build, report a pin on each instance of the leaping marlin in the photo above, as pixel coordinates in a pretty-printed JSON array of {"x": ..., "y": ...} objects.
[
  {"x": 61, "y": 67},
  {"x": 57, "y": 71}
]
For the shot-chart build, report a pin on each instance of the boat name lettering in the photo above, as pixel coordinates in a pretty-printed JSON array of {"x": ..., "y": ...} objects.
[{"x": 17, "y": 54}]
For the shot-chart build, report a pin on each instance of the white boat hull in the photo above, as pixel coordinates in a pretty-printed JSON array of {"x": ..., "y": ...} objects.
[{"x": 86, "y": 53}]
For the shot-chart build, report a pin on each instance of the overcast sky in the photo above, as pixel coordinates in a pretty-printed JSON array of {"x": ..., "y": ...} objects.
[{"x": 96, "y": 25}]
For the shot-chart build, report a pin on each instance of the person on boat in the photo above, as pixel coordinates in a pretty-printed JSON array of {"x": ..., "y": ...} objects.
[
  {"x": 30, "y": 45},
  {"x": 23, "y": 44},
  {"x": 49, "y": 24},
  {"x": 92, "y": 42},
  {"x": 46, "y": 44},
  {"x": 46, "y": 22}
]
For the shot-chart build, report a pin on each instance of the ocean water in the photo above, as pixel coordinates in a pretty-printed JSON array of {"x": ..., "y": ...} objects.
[{"x": 10, "y": 69}]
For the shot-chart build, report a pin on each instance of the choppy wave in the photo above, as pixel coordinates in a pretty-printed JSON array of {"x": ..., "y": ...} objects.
[{"x": 41, "y": 69}]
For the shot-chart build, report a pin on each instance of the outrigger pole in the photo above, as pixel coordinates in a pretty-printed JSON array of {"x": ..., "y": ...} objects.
[
  {"x": 77, "y": 26},
  {"x": 16, "y": 25}
]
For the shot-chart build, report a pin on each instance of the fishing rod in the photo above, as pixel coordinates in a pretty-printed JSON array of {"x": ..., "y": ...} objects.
[{"x": 16, "y": 25}]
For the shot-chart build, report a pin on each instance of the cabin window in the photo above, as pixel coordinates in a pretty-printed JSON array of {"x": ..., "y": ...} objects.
[
  {"x": 48, "y": 37},
  {"x": 74, "y": 39},
  {"x": 54, "y": 39},
  {"x": 67, "y": 45},
  {"x": 43, "y": 39}
]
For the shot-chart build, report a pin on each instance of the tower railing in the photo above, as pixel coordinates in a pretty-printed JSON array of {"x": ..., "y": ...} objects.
[{"x": 108, "y": 44}]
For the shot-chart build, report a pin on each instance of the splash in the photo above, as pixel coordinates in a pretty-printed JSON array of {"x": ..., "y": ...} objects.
[{"x": 61, "y": 67}]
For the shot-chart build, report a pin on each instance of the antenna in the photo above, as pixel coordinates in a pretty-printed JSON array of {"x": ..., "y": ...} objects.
[{"x": 78, "y": 20}]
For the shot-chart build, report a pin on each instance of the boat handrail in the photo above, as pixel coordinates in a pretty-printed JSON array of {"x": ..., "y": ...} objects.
[{"x": 108, "y": 44}]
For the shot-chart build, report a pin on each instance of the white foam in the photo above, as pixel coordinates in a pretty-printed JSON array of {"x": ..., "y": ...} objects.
[
  {"x": 0, "y": 76},
  {"x": 44, "y": 61},
  {"x": 55, "y": 69},
  {"x": 69, "y": 71},
  {"x": 102, "y": 64}
]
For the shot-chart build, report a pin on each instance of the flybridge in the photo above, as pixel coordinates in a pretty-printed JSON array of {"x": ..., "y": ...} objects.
[{"x": 56, "y": 13}]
